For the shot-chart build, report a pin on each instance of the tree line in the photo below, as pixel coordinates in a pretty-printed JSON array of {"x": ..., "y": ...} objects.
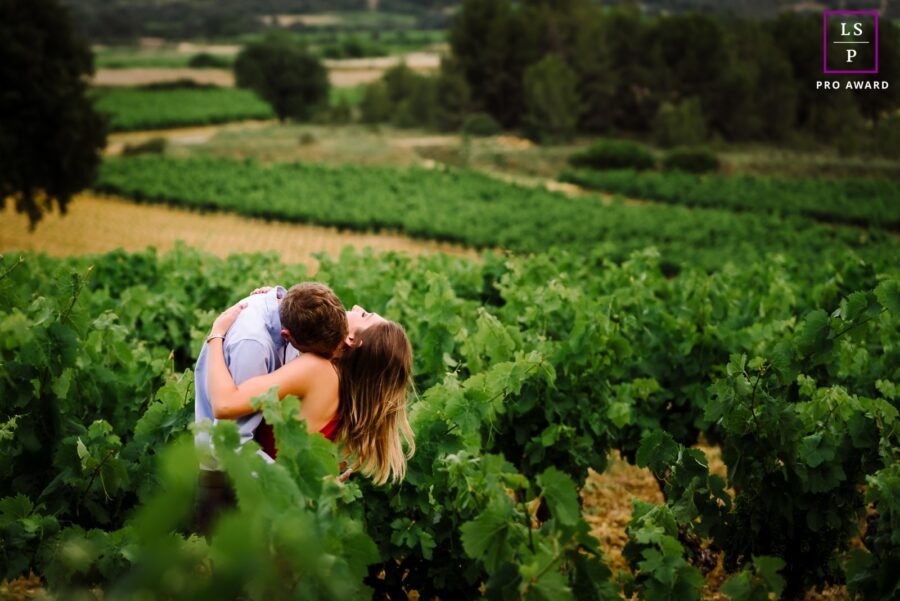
[
  {"x": 121, "y": 21},
  {"x": 563, "y": 66}
]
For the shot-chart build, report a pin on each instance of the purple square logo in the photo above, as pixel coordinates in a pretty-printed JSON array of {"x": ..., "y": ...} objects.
[{"x": 850, "y": 41}]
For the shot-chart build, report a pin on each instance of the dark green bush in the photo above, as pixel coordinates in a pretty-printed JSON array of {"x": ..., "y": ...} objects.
[
  {"x": 177, "y": 84},
  {"x": 151, "y": 146},
  {"x": 480, "y": 124},
  {"x": 375, "y": 106},
  {"x": 205, "y": 60},
  {"x": 693, "y": 159},
  {"x": 614, "y": 154},
  {"x": 353, "y": 47}
]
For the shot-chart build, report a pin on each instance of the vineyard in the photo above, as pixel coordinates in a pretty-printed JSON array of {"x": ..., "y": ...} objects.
[
  {"x": 135, "y": 108},
  {"x": 530, "y": 370},
  {"x": 476, "y": 210},
  {"x": 856, "y": 200}
]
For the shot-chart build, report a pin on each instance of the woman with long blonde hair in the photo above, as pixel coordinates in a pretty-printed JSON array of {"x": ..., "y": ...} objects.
[{"x": 356, "y": 398}]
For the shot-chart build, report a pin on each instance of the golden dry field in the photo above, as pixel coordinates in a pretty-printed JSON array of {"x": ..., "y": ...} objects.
[
  {"x": 139, "y": 76},
  {"x": 342, "y": 73},
  {"x": 97, "y": 224}
]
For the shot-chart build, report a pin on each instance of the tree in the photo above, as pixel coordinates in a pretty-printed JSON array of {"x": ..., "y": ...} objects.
[
  {"x": 637, "y": 68},
  {"x": 490, "y": 41},
  {"x": 50, "y": 134},
  {"x": 875, "y": 106},
  {"x": 799, "y": 37},
  {"x": 453, "y": 96},
  {"x": 376, "y": 103},
  {"x": 596, "y": 74},
  {"x": 551, "y": 100},
  {"x": 693, "y": 50},
  {"x": 284, "y": 74}
]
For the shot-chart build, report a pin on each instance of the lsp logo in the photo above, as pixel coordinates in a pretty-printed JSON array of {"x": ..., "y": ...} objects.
[{"x": 850, "y": 41}]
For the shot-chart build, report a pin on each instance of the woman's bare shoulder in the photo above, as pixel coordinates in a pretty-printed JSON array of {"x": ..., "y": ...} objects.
[{"x": 313, "y": 365}]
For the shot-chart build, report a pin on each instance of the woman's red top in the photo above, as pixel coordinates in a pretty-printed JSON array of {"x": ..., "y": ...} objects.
[{"x": 265, "y": 435}]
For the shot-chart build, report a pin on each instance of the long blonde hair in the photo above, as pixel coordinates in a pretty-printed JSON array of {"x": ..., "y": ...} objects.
[{"x": 373, "y": 380}]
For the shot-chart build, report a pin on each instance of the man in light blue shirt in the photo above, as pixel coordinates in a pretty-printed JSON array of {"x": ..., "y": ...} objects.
[
  {"x": 254, "y": 346},
  {"x": 273, "y": 326}
]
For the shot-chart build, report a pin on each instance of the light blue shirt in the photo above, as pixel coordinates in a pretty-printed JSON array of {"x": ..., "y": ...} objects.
[{"x": 253, "y": 347}]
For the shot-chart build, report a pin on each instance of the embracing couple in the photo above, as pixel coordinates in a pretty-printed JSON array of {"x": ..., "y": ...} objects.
[{"x": 351, "y": 373}]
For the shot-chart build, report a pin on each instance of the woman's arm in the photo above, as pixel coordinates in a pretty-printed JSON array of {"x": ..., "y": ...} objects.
[
  {"x": 298, "y": 377},
  {"x": 230, "y": 401}
]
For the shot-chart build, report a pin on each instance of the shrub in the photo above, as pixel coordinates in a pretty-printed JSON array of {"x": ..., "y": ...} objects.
[
  {"x": 614, "y": 154},
  {"x": 480, "y": 124},
  {"x": 680, "y": 124},
  {"x": 692, "y": 159},
  {"x": 205, "y": 60},
  {"x": 176, "y": 84},
  {"x": 404, "y": 98},
  {"x": 421, "y": 105},
  {"x": 151, "y": 146},
  {"x": 352, "y": 47},
  {"x": 401, "y": 82}
]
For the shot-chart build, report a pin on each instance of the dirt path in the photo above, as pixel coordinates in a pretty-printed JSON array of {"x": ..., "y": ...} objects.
[
  {"x": 552, "y": 185},
  {"x": 139, "y": 76},
  {"x": 98, "y": 224},
  {"x": 199, "y": 134}
]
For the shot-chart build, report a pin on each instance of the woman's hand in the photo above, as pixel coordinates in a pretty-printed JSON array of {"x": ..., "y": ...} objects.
[
  {"x": 262, "y": 290},
  {"x": 224, "y": 321}
]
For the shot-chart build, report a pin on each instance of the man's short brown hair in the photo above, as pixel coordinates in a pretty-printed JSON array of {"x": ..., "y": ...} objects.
[{"x": 315, "y": 317}]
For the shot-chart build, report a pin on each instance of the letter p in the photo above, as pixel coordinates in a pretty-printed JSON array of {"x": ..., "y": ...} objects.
[{"x": 851, "y": 54}]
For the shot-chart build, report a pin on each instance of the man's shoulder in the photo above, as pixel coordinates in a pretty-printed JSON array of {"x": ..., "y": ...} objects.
[{"x": 252, "y": 323}]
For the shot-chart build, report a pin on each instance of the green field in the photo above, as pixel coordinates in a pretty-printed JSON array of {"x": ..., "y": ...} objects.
[
  {"x": 136, "y": 108},
  {"x": 132, "y": 109},
  {"x": 476, "y": 210},
  {"x": 856, "y": 201}
]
